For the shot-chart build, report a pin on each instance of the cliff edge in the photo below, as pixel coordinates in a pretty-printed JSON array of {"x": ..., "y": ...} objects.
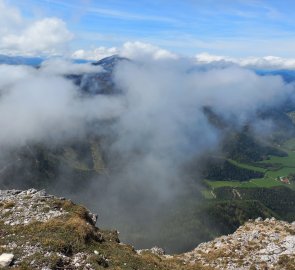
[{"x": 41, "y": 231}]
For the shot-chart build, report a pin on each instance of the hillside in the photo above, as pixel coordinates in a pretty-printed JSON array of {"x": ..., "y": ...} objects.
[{"x": 40, "y": 231}]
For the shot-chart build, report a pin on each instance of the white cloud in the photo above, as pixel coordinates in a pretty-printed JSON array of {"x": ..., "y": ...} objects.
[
  {"x": 140, "y": 50},
  {"x": 38, "y": 104},
  {"x": 161, "y": 105},
  {"x": 10, "y": 18},
  {"x": 64, "y": 67},
  {"x": 48, "y": 36},
  {"x": 267, "y": 62},
  {"x": 134, "y": 50},
  {"x": 208, "y": 58},
  {"x": 144, "y": 51},
  {"x": 95, "y": 54}
]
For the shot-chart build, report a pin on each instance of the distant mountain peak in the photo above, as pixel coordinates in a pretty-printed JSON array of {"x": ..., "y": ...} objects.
[
  {"x": 108, "y": 63},
  {"x": 20, "y": 60}
]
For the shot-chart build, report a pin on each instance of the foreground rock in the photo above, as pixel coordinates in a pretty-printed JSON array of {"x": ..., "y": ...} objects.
[
  {"x": 40, "y": 231},
  {"x": 268, "y": 244},
  {"x": 6, "y": 259},
  {"x": 24, "y": 207}
]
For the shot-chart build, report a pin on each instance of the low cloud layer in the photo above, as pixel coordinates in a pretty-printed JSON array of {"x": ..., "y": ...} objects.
[
  {"x": 140, "y": 50},
  {"x": 59, "y": 66},
  {"x": 154, "y": 126},
  {"x": 267, "y": 62},
  {"x": 159, "y": 114},
  {"x": 38, "y": 104},
  {"x": 145, "y": 132},
  {"x": 95, "y": 54},
  {"x": 166, "y": 99},
  {"x": 132, "y": 50}
]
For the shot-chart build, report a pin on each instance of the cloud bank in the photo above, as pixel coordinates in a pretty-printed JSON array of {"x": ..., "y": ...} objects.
[
  {"x": 267, "y": 62},
  {"x": 149, "y": 131},
  {"x": 95, "y": 54},
  {"x": 132, "y": 50},
  {"x": 159, "y": 114},
  {"x": 39, "y": 104},
  {"x": 136, "y": 50},
  {"x": 163, "y": 127},
  {"x": 47, "y": 36},
  {"x": 159, "y": 120}
]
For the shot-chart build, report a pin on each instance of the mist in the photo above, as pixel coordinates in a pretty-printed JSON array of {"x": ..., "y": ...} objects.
[{"x": 150, "y": 130}]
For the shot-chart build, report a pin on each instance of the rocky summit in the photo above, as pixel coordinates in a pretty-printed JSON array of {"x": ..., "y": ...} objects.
[
  {"x": 258, "y": 244},
  {"x": 41, "y": 231}
]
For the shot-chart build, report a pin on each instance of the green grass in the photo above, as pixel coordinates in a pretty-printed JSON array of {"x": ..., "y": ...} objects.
[
  {"x": 71, "y": 234},
  {"x": 286, "y": 166},
  {"x": 288, "y": 161},
  {"x": 282, "y": 172},
  {"x": 207, "y": 194},
  {"x": 253, "y": 183},
  {"x": 266, "y": 182},
  {"x": 217, "y": 184},
  {"x": 247, "y": 166},
  {"x": 248, "y": 184},
  {"x": 289, "y": 145}
]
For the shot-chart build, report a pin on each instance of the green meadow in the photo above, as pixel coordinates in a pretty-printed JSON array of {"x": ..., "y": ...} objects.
[{"x": 282, "y": 166}]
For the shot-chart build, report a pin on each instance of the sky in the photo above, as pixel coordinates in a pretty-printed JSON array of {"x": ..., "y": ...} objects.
[{"x": 233, "y": 28}]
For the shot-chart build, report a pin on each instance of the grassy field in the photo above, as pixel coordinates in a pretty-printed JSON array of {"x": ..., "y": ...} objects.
[
  {"x": 288, "y": 161},
  {"x": 286, "y": 166},
  {"x": 208, "y": 194},
  {"x": 217, "y": 184},
  {"x": 289, "y": 145},
  {"x": 266, "y": 182},
  {"x": 282, "y": 172},
  {"x": 247, "y": 166},
  {"x": 253, "y": 183}
]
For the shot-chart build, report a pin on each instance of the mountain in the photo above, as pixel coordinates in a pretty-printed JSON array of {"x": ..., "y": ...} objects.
[
  {"x": 109, "y": 63},
  {"x": 41, "y": 231},
  {"x": 20, "y": 60},
  {"x": 101, "y": 82},
  {"x": 40, "y": 165},
  {"x": 287, "y": 75}
]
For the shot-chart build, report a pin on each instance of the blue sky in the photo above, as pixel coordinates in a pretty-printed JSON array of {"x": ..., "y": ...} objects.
[{"x": 235, "y": 28}]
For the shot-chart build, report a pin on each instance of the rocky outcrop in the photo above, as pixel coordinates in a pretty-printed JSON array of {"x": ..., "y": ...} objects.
[
  {"x": 40, "y": 231},
  {"x": 24, "y": 214},
  {"x": 258, "y": 244},
  {"x": 24, "y": 207},
  {"x": 6, "y": 259}
]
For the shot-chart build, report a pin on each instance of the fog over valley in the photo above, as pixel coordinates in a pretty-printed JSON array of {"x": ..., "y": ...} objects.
[
  {"x": 169, "y": 145},
  {"x": 142, "y": 134}
]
